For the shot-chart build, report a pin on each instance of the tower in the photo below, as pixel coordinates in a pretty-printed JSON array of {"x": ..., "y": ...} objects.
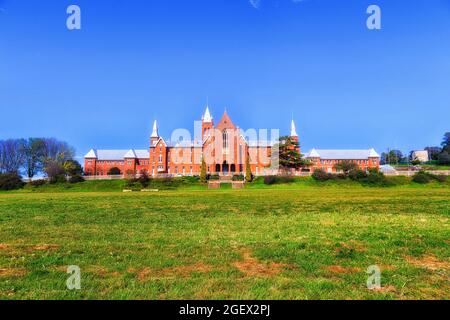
[
  {"x": 207, "y": 123},
  {"x": 294, "y": 135},
  {"x": 155, "y": 135}
]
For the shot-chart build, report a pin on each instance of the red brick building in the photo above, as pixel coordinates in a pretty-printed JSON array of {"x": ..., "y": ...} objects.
[
  {"x": 223, "y": 146},
  {"x": 327, "y": 159}
]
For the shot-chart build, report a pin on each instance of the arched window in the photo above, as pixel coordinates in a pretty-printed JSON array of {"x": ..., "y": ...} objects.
[{"x": 225, "y": 139}]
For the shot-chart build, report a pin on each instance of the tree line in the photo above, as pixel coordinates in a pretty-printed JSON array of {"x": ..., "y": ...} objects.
[
  {"x": 439, "y": 155},
  {"x": 33, "y": 156}
]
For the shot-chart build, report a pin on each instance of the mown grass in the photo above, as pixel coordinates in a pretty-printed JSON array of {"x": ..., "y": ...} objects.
[
  {"x": 193, "y": 184},
  {"x": 284, "y": 242}
]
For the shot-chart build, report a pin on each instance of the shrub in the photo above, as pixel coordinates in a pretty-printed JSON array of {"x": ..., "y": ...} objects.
[
  {"x": 144, "y": 179},
  {"x": 203, "y": 175},
  {"x": 270, "y": 180},
  {"x": 340, "y": 176},
  {"x": 321, "y": 175},
  {"x": 55, "y": 172},
  {"x": 422, "y": 177},
  {"x": 444, "y": 158},
  {"x": 278, "y": 179},
  {"x": 37, "y": 183},
  {"x": 191, "y": 179},
  {"x": 440, "y": 178},
  {"x": 11, "y": 181},
  {"x": 238, "y": 177},
  {"x": 357, "y": 175},
  {"x": 60, "y": 178},
  {"x": 114, "y": 171},
  {"x": 376, "y": 178},
  {"x": 76, "y": 178},
  {"x": 133, "y": 184},
  {"x": 213, "y": 177}
]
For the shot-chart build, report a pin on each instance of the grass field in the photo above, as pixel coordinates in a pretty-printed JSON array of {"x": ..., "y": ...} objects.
[{"x": 280, "y": 242}]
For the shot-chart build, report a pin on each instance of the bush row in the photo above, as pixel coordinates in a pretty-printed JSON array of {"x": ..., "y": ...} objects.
[
  {"x": 146, "y": 182},
  {"x": 425, "y": 177},
  {"x": 278, "y": 179},
  {"x": 372, "y": 177}
]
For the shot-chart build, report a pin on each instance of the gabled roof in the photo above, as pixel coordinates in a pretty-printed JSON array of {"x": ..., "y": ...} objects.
[
  {"x": 111, "y": 154},
  {"x": 92, "y": 154},
  {"x": 142, "y": 154},
  {"x": 130, "y": 154},
  {"x": 373, "y": 154},
  {"x": 342, "y": 154},
  {"x": 119, "y": 155},
  {"x": 313, "y": 154},
  {"x": 157, "y": 141},
  {"x": 225, "y": 122}
]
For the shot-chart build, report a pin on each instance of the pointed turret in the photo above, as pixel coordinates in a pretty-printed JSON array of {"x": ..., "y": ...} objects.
[
  {"x": 207, "y": 123},
  {"x": 294, "y": 136},
  {"x": 207, "y": 116},
  {"x": 293, "y": 130},
  {"x": 155, "y": 130},
  {"x": 155, "y": 135}
]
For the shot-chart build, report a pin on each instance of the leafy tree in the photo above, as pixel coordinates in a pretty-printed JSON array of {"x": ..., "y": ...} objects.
[
  {"x": 392, "y": 157},
  {"x": 433, "y": 152},
  {"x": 444, "y": 158},
  {"x": 33, "y": 155},
  {"x": 346, "y": 166},
  {"x": 55, "y": 171},
  {"x": 73, "y": 168},
  {"x": 58, "y": 151},
  {"x": 203, "y": 171},
  {"x": 446, "y": 143},
  {"x": 11, "y": 155}
]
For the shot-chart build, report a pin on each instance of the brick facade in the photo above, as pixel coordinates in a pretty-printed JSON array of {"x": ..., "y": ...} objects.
[
  {"x": 224, "y": 149},
  {"x": 222, "y": 146}
]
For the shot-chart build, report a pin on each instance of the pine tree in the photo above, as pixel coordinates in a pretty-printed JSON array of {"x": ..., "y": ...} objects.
[
  {"x": 289, "y": 157},
  {"x": 203, "y": 172},
  {"x": 248, "y": 171}
]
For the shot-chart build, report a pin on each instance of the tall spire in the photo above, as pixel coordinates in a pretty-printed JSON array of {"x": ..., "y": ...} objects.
[
  {"x": 293, "y": 130},
  {"x": 207, "y": 115},
  {"x": 155, "y": 130}
]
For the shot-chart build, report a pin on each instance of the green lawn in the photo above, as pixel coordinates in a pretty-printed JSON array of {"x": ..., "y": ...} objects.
[{"x": 295, "y": 241}]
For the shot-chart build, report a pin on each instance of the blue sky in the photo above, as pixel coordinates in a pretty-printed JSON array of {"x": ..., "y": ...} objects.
[{"x": 134, "y": 61}]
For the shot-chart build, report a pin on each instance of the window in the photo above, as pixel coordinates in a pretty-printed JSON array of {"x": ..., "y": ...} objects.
[
  {"x": 160, "y": 158},
  {"x": 225, "y": 137}
]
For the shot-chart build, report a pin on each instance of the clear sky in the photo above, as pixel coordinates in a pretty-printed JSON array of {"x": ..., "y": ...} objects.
[{"x": 136, "y": 61}]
